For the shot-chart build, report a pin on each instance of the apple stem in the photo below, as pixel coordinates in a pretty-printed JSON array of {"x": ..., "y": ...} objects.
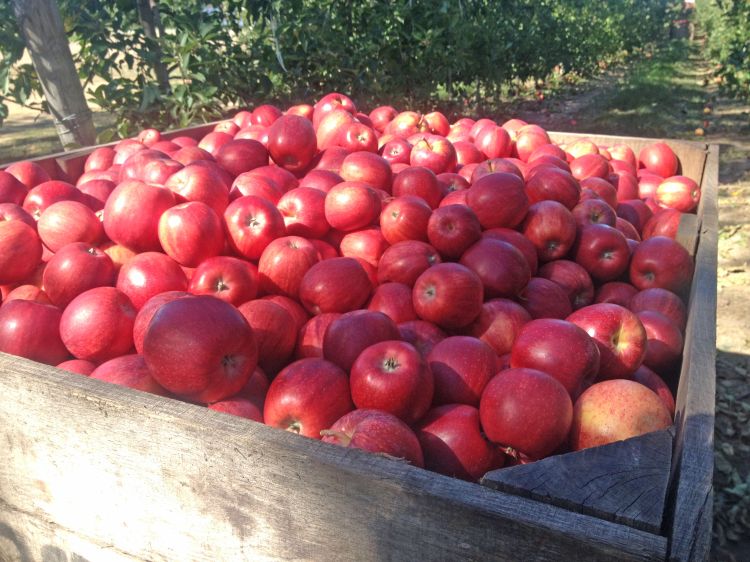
[{"x": 342, "y": 437}]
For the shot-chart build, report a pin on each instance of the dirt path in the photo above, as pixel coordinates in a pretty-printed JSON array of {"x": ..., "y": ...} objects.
[{"x": 671, "y": 95}]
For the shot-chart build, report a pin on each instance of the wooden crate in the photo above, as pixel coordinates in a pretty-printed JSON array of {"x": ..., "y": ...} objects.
[{"x": 95, "y": 472}]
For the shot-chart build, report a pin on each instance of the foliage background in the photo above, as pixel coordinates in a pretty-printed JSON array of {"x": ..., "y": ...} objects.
[{"x": 451, "y": 53}]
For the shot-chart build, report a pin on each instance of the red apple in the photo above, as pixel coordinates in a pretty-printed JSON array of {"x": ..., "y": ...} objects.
[
  {"x": 357, "y": 136},
  {"x": 308, "y": 396},
  {"x": 199, "y": 183},
  {"x": 602, "y": 251},
  {"x": 419, "y": 181},
  {"x": 590, "y": 166},
  {"x": 659, "y": 158},
  {"x": 395, "y": 301},
  {"x": 312, "y": 333},
  {"x": 229, "y": 279},
  {"x": 392, "y": 376},
  {"x": 11, "y": 190},
  {"x": 270, "y": 323},
  {"x": 20, "y": 251},
  {"x": 615, "y": 410},
  {"x": 381, "y": 116},
  {"x": 292, "y": 143},
  {"x": 251, "y": 224},
  {"x": 527, "y": 139},
  {"x": 405, "y": 218},
  {"x": 223, "y": 351},
  {"x": 369, "y": 168},
  {"x": 619, "y": 334},
  {"x": 405, "y": 261},
  {"x": 526, "y": 410},
  {"x": 45, "y": 194},
  {"x": 664, "y": 348},
  {"x": 573, "y": 278},
  {"x": 396, "y": 151},
  {"x": 238, "y": 406},
  {"x": 468, "y": 153},
  {"x": 149, "y": 274},
  {"x": 551, "y": 227},
  {"x": 494, "y": 142},
  {"x": 146, "y": 313},
  {"x": 662, "y": 301},
  {"x": 453, "y": 229},
  {"x": 661, "y": 262},
  {"x": 352, "y": 205},
  {"x": 378, "y": 432},
  {"x": 34, "y": 293},
  {"x": 650, "y": 379},
  {"x": 28, "y": 173},
  {"x": 498, "y": 200},
  {"x": 553, "y": 184},
  {"x": 367, "y": 244},
  {"x": 518, "y": 240},
  {"x": 77, "y": 366},
  {"x": 448, "y": 294},
  {"x": 213, "y": 141},
  {"x": 498, "y": 324},
  {"x": 543, "y": 298},
  {"x": 353, "y": 332},
  {"x": 31, "y": 329},
  {"x": 605, "y": 190},
  {"x": 615, "y": 292},
  {"x": 335, "y": 285},
  {"x": 129, "y": 371},
  {"x": 678, "y": 192},
  {"x": 594, "y": 211},
  {"x": 303, "y": 211},
  {"x": 462, "y": 366},
  {"x": 560, "y": 349},
  {"x": 284, "y": 263},
  {"x": 97, "y": 325},
  {"x": 242, "y": 155},
  {"x": 191, "y": 233},
  {"x": 501, "y": 267},
  {"x": 76, "y": 268}
]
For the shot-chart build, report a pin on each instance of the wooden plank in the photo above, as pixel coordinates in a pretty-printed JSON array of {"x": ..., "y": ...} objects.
[
  {"x": 692, "y": 490},
  {"x": 625, "y": 482},
  {"x": 688, "y": 232},
  {"x": 159, "y": 479}
]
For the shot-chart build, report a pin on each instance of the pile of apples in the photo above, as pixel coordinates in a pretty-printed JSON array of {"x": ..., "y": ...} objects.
[{"x": 462, "y": 296}]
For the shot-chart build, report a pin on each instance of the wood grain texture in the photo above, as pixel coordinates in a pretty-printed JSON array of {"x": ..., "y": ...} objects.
[
  {"x": 692, "y": 489},
  {"x": 625, "y": 482},
  {"x": 158, "y": 479}
]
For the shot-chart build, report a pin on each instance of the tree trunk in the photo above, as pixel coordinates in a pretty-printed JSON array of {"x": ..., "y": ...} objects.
[
  {"x": 148, "y": 13},
  {"x": 41, "y": 26}
]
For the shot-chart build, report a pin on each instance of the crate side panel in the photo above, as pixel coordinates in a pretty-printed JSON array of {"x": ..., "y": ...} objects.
[
  {"x": 161, "y": 479},
  {"x": 692, "y": 485}
]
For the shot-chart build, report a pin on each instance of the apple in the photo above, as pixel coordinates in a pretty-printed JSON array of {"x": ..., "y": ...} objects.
[
  {"x": 501, "y": 267},
  {"x": 462, "y": 366},
  {"x": 559, "y": 348},
  {"x": 394, "y": 300},
  {"x": 303, "y": 211},
  {"x": 376, "y": 431},
  {"x": 551, "y": 227},
  {"x": 149, "y": 274},
  {"x": 405, "y": 218},
  {"x": 615, "y": 410},
  {"x": 498, "y": 324},
  {"x": 369, "y": 168},
  {"x": 615, "y": 292},
  {"x": 553, "y": 184},
  {"x": 605, "y": 190},
  {"x": 396, "y": 151},
  {"x": 381, "y": 116},
  {"x": 312, "y": 333},
  {"x": 619, "y": 334},
  {"x": 581, "y": 147},
  {"x": 308, "y": 396},
  {"x": 498, "y": 200},
  {"x": 129, "y": 371},
  {"x": 20, "y": 251},
  {"x": 223, "y": 349},
  {"x": 132, "y": 213},
  {"x": 659, "y": 158},
  {"x": 527, "y": 139},
  {"x": 602, "y": 251},
  {"x": 635, "y": 211},
  {"x": 665, "y": 222},
  {"x": 252, "y": 224},
  {"x": 213, "y": 141},
  {"x": 418, "y": 181},
  {"x": 28, "y": 173},
  {"x": 650, "y": 379},
  {"x": 100, "y": 159},
  {"x": 97, "y": 325},
  {"x": 146, "y": 313},
  {"x": 330, "y": 159},
  {"x": 453, "y": 229},
  {"x": 661, "y": 262},
  {"x": 333, "y": 101},
  {"x": 573, "y": 278},
  {"x": 548, "y": 150},
  {"x": 467, "y": 153},
  {"x": 357, "y": 136},
  {"x": 526, "y": 410},
  {"x": 270, "y": 324},
  {"x": 594, "y": 211},
  {"x": 189, "y": 154},
  {"x": 335, "y": 285},
  {"x": 543, "y": 298},
  {"x": 518, "y": 240},
  {"x": 353, "y": 332},
  {"x": 292, "y": 143},
  {"x": 227, "y": 278},
  {"x": 198, "y": 183},
  {"x": 450, "y": 182},
  {"x": 65, "y": 222},
  {"x": 627, "y": 229},
  {"x": 405, "y": 261},
  {"x": 448, "y": 294},
  {"x": 662, "y": 301},
  {"x": 45, "y": 194},
  {"x": 493, "y": 166},
  {"x": 33, "y": 293},
  {"x": 392, "y": 376},
  {"x": 96, "y": 192},
  {"x": 11, "y": 190},
  {"x": 352, "y": 205},
  {"x": 330, "y": 125},
  {"x": 453, "y": 444},
  {"x": 76, "y": 268},
  {"x": 31, "y": 329},
  {"x": 589, "y": 166},
  {"x": 242, "y": 155},
  {"x": 284, "y": 263},
  {"x": 238, "y": 406},
  {"x": 493, "y": 142},
  {"x": 191, "y": 233},
  {"x": 648, "y": 184},
  {"x": 366, "y": 244},
  {"x": 678, "y": 192},
  {"x": 77, "y": 366},
  {"x": 664, "y": 348}
]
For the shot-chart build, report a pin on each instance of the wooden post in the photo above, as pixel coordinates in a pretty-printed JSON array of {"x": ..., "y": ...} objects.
[
  {"x": 41, "y": 26},
  {"x": 148, "y": 14}
]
